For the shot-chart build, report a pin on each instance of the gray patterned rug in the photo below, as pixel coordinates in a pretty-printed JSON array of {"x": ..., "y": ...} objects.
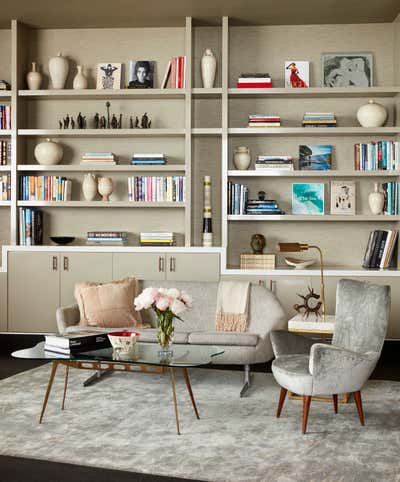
[{"x": 127, "y": 422}]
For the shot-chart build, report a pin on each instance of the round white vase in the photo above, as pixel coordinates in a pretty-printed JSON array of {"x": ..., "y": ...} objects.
[
  {"x": 372, "y": 114},
  {"x": 89, "y": 187},
  {"x": 242, "y": 158},
  {"x": 376, "y": 200},
  {"x": 80, "y": 80},
  {"x": 58, "y": 68},
  {"x": 48, "y": 153},
  {"x": 34, "y": 78},
  {"x": 105, "y": 187},
  {"x": 208, "y": 69}
]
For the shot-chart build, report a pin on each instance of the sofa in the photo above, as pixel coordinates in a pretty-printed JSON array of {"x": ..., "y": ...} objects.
[{"x": 198, "y": 328}]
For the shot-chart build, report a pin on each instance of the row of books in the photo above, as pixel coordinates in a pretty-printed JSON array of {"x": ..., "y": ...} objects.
[
  {"x": 380, "y": 155},
  {"x": 45, "y": 188},
  {"x": 5, "y": 187},
  {"x": 4, "y": 85},
  {"x": 5, "y": 117},
  {"x": 381, "y": 251},
  {"x": 175, "y": 74},
  {"x": 319, "y": 119},
  {"x": 108, "y": 238},
  {"x": 237, "y": 198},
  {"x": 101, "y": 158},
  {"x": 267, "y": 120},
  {"x": 157, "y": 188},
  {"x": 149, "y": 159},
  {"x": 265, "y": 206},
  {"x": 391, "y": 204},
  {"x": 254, "y": 81},
  {"x": 274, "y": 162},
  {"x": 157, "y": 239},
  {"x": 30, "y": 226},
  {"x": 5, "y": 153},
  {"x": 75, "y": 343}
]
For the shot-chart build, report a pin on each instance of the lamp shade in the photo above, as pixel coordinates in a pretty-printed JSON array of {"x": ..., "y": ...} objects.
[{"x": 291, "y": 247}]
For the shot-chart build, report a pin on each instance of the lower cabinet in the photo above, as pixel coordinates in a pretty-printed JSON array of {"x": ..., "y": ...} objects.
[{"x": 146, "y": 266}]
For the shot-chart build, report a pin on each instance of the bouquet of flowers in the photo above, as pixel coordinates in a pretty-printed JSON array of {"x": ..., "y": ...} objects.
[{"x": 167, "y": 304}]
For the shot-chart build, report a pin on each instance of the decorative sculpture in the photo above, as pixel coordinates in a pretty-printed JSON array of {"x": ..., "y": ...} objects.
[
  {"x": 108, "y": 125},
  {"x": 207, "y": 214},
  {"x": 145, "y": 121},
  {"x": 114, "y": 122},
  {"x": 257, "y": 243},
  {"x": 96, "y": 120},
  {"x": 310, "y": 305}
]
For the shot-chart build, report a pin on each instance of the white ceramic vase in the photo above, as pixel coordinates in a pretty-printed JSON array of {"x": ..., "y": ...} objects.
[
  {"x": 89, "y": 187},
  {"x": 34, "y": 78},
  {"x": 58, "y": 68},
  {"x": 208, "y": 69},
  {"x": 372, "y": 114},
  {"x": 80, "y": 81},
  {"x": 376, "y": 200},
  {"x": 242, "y": 158},
  {"x": 48, "y": 153},
  {"x": 105, "y": 187}
]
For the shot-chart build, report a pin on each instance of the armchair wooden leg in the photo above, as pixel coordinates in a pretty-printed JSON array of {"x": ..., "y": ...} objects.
[
  {"x": 282, "y": 397},
  {"x": 357, "y": 399},
  {"x": 306, "y": 409},
  {"x": 335, "y": 402}
]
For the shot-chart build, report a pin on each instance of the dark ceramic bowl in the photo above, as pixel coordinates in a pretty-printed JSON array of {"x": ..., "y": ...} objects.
[{"x": 62, "y": 240}]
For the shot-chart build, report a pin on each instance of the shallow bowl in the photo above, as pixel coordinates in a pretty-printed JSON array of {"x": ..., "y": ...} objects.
[{"x": 62, "y": 240}]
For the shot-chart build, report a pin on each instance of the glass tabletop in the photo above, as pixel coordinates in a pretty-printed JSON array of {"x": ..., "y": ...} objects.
[{"x": 147, "y": 354}]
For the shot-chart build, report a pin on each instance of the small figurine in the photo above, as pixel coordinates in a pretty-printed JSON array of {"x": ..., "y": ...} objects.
[
  {"x": 108, "y": 114},
  {"x": 149, "y": 125},
  {"x": 72, "y": 123},
  {"x": 119, "y": 126},
  {"x": 84, "y": 122},
  {"x": 79, "y": 121},
  {"x": 261, "y": 195},
  {"x": 96, "y": 120},
  {"x": 114, "y": 122},
  {"x": 66, "y": 122},
  {"x": 102, "y": 122},
  {"x": 130, "y": 122},
  {"x": 257, "y": 243},
  {"x": 145, "y": 121},
  {"x": 60, "y": 124},
  {"x": 137, "y": 122}
]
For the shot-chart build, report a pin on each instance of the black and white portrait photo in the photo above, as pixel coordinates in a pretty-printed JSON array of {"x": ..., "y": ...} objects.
[
  {"x": 108, "y": 76},
  {"x": 141, "y": 74},
  {"x": 347, "y": 70}
]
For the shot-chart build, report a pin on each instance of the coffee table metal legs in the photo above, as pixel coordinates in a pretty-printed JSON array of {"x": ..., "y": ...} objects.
[
  {"x": 65, "y": 386},
  {"x": 172, "y": 376},
  {"x": 54, "y": 366},
  {"x": 189, "y": 387}
]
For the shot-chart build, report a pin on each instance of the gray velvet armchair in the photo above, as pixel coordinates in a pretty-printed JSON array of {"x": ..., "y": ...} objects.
[{"x": 308, "y": 369}]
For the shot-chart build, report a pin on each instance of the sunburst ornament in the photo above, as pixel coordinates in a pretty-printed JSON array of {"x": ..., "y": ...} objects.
[{"x": 310, "y": 304}]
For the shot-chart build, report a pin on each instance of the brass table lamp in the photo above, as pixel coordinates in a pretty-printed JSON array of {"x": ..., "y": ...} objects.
[{"x": 297, "y": 248}]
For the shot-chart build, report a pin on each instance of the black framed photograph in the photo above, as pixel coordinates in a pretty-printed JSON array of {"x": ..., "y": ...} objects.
[
  {"x": 141, "y": 74},
  {"x": 347, "y": 70}
]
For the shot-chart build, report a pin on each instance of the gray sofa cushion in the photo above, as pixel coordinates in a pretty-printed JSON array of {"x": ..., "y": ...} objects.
[
  {"x": 223, "y": 338},
  {"x": 149, "y": 335},
  {"x": 292, "y": 372}
]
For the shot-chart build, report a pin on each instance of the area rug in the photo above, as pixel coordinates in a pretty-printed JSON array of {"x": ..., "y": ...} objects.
[{"x": 127, "y": 422}]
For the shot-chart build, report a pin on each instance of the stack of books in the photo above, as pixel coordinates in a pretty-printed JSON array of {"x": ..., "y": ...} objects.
[
  {"x": 266, "y": 206},
  {"x": 5, "y": 153},
  {"x": 254, "y": 81},
  {"x": 75, "y": 343},
  {"x": 319, "y": 119},
  {"x": 148, "y": 159},
  {"x": 175, "y": 73},
  {"x": 5, "y": 187},
  {"x": 237, "y": 198},
  {"x": 373, "y": 156},
  {"x": 157, "y": 239},
  {"x": 269, "y": 120},
  {"x": 4, "y": 85},
  {"x": 275, "y": 162},
  {"x": 107, "y": 238},
  {"x": 45, "y": 188},
  {"x": 30, "y": 227},
  {"x": 157, "y": 188},
  {"x": 5, "y": 117},
  {"x": 381, "y": 250},
  {"x": 99, "y": 158},
  {"x": 391, "y": 190}
]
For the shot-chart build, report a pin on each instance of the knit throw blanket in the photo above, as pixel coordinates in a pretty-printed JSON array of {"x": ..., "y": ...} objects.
[{"x": 232, "y": 306}]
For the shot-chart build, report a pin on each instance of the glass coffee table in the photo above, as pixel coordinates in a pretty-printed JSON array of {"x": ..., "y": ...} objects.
[{"x": 148, "y": 360}]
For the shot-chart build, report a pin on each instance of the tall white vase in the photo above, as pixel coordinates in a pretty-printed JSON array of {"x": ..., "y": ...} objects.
[
  {"x": 376, "y": 200},
  {"x": 58, "y": 68},
  {"x": 34, "y": 78},
  {"x": 80, "y": 80},
  {"x": 208, "y": 69},
  {"x": 89, "y": 187}
]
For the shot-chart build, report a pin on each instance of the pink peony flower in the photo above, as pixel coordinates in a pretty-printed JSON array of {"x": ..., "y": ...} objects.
[
  {"x": 173, "y": 293},
  {"x": 187, "y": 299},
  {"x": 177, "y": 307},
  {"x": 162, "y": 303}
]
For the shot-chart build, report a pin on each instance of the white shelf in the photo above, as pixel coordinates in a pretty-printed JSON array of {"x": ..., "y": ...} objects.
[
  {"x": 100, "y": 204},
  {"x": 328, "y": 272},
  {"x": 325, "y": 92},
  {"x": 311, "y": 217},
  {"x": 101, "y": 132},
  {"x": 5, "y": 132},
  {"x": 117, "y": 168},
  {"x": 313, "y": 131},
  {"x": 207, "y": 131},
  {"x": 200, "y": 92},
  {"x": 5, "y": 94},
  {"x": 5, "y": 203},
  {"x": 330, "y": 173},
  {"x": 5, "y": 168},
  {"x": 86, "y": 94}
]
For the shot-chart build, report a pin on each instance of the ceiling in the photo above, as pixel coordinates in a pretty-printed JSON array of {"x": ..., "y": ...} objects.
[{"x": 156, "y": 13}]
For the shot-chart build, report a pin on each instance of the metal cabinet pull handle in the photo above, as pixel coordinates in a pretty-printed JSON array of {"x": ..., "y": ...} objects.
[
  {"x": 66, "y": 263},
  {"x": 55, "y": 263},
  {"x": 160, "y": 264},
  {"x": 172, "y": 264}
]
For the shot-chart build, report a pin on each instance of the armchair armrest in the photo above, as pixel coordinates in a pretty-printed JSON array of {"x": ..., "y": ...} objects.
[
  {"x": 338, "y": 370},
  {"x": 67, "y": 316},
  {"x": 287, "y": 343}
]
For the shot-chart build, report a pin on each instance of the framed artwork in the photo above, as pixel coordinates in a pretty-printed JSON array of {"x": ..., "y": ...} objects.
[
  {"x": 315, "y": 157},
  {"x": 347, "y": 70},
  {"x": 108, "y": 76},
  {"x": 308, "y": 198},
  {"x": 297, "y": 74},
  {"x": 141, "y": 74},
  {"x": 343, "y": 197}
]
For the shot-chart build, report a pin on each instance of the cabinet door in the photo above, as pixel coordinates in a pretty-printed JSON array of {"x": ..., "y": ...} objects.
[
  {"x": 193, "y": 267},
  {"x": 143, "y": 266},
  {"x": 33, "y": 291},
  {"x": 76, "y": 267}
]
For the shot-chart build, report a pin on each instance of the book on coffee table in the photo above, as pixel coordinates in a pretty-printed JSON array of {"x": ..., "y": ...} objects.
[{"x": 76, "y": 342}]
